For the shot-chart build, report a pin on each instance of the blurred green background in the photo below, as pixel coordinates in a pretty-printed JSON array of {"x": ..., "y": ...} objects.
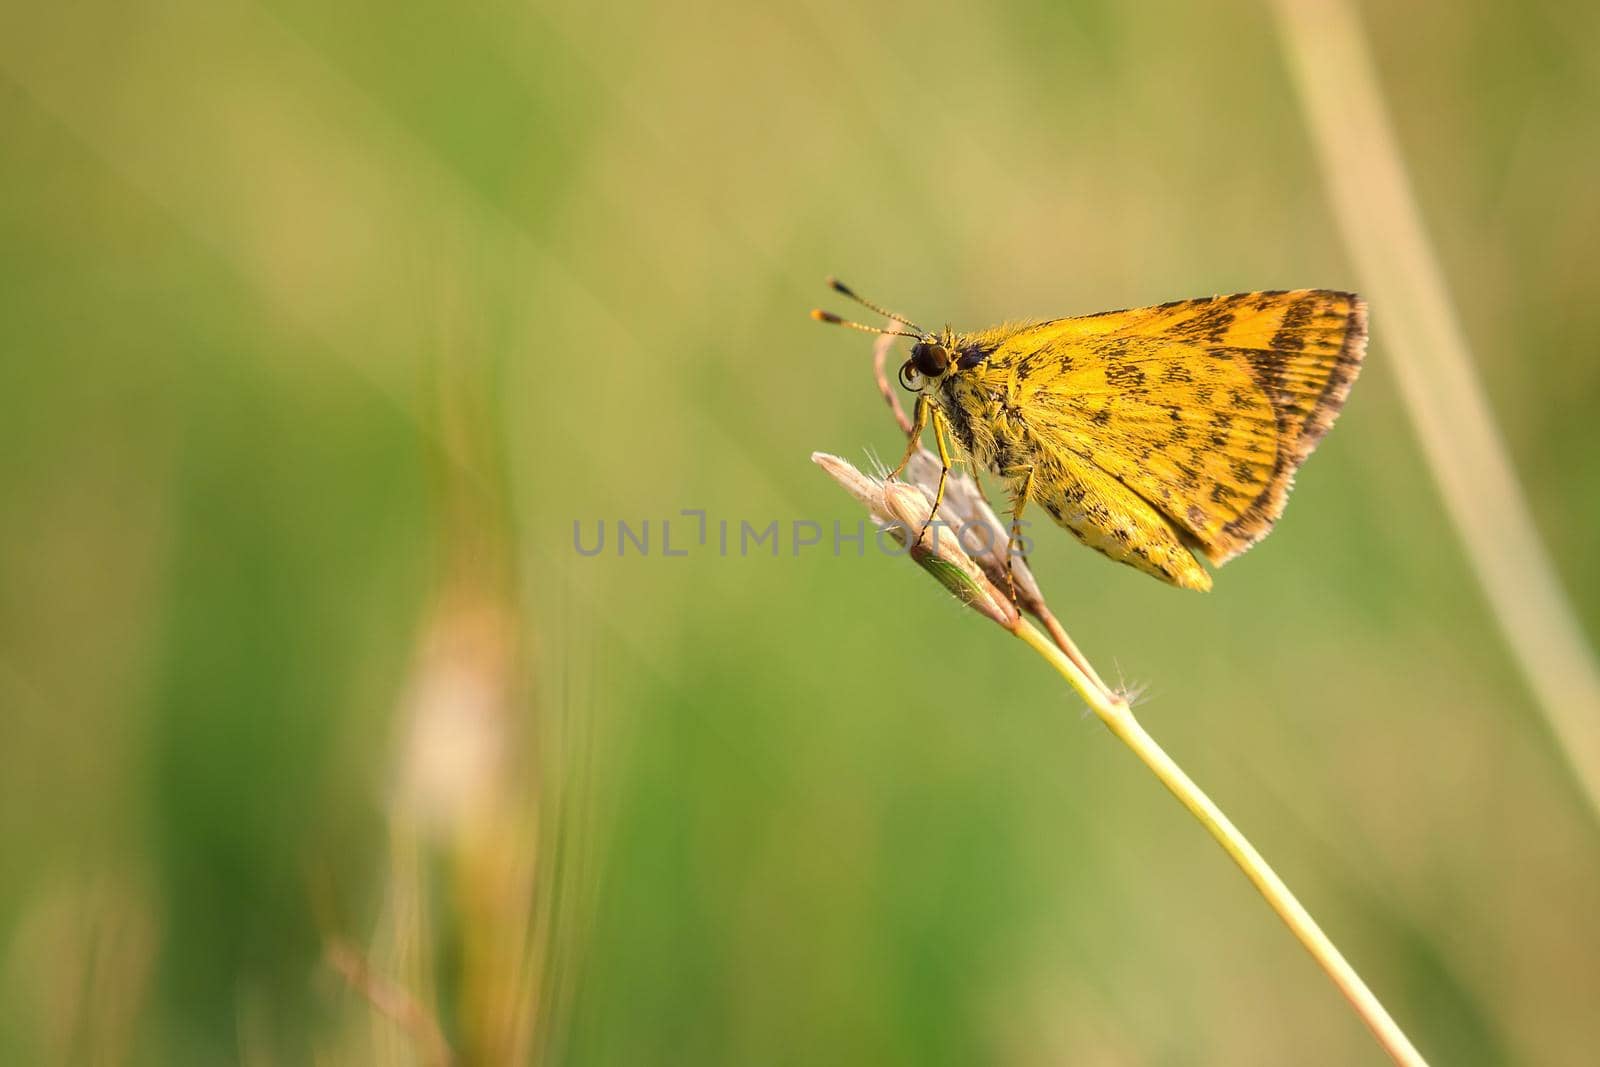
[{"x": 323, "y": 324}]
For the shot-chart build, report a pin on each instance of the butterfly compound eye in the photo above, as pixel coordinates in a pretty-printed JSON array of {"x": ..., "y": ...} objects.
[{"x": 930, "y": 360}]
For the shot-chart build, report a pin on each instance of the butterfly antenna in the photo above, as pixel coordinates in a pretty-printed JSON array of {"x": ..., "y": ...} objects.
[
  {"x": 828, "y": 316},
  {"x": 840, "y": 287}
]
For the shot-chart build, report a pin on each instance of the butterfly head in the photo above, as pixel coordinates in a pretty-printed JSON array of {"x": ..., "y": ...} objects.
[{"x": 931, "y": 359}]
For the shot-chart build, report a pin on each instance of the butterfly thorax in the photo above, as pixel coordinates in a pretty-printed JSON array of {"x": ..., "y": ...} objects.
[
  {"x": 980, "y": 395},
  {"x": 985, "y": 410}
]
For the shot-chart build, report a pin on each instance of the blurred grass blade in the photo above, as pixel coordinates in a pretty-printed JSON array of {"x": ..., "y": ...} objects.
[{"x": 1378, "y": 216}]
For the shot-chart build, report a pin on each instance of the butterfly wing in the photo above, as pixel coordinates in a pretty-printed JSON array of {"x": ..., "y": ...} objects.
[{"x": 1201, "y": 410}]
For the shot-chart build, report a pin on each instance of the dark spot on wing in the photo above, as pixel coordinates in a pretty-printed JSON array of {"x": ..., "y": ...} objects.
[
  {"x": 1268, "y": 368},
  {"x": 1290, "y": 336},
  {"x": 1124, "y": 376},
  {"x": 1210, "y": 323},
  {"x": 1113, "y": 348}
]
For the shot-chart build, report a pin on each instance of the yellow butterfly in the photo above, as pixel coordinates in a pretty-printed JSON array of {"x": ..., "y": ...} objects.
[{"x": 1147, "y": 432}]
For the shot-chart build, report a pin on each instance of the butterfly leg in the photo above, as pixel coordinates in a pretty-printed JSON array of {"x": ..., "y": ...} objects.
[
  {"x": 939, "y": 433},
  {"x": 1017, "y": 505},
  {"x": 918, "y": 424}
]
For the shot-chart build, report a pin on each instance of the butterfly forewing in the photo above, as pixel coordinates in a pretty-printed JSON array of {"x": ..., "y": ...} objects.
[{"x": 1198, "y": 411}]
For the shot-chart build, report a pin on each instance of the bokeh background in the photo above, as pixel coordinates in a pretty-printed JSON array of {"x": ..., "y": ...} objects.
[{"x": 322, "y": 325}]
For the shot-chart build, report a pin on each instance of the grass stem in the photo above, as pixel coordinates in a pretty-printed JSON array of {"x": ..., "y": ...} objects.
[{"x": 1113, "y": 710}]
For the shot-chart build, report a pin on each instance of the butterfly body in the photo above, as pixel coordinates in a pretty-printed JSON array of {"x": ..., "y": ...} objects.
[
  {"x": 997, "y": 423},
  {"x": 1155, "y": 433}
]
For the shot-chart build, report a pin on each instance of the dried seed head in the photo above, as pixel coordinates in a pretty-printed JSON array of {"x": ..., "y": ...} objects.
[
  {"x": 905, "y": 510},
  {"x": 985, "y": 538},
  {"x": 866, "y": 489}
]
